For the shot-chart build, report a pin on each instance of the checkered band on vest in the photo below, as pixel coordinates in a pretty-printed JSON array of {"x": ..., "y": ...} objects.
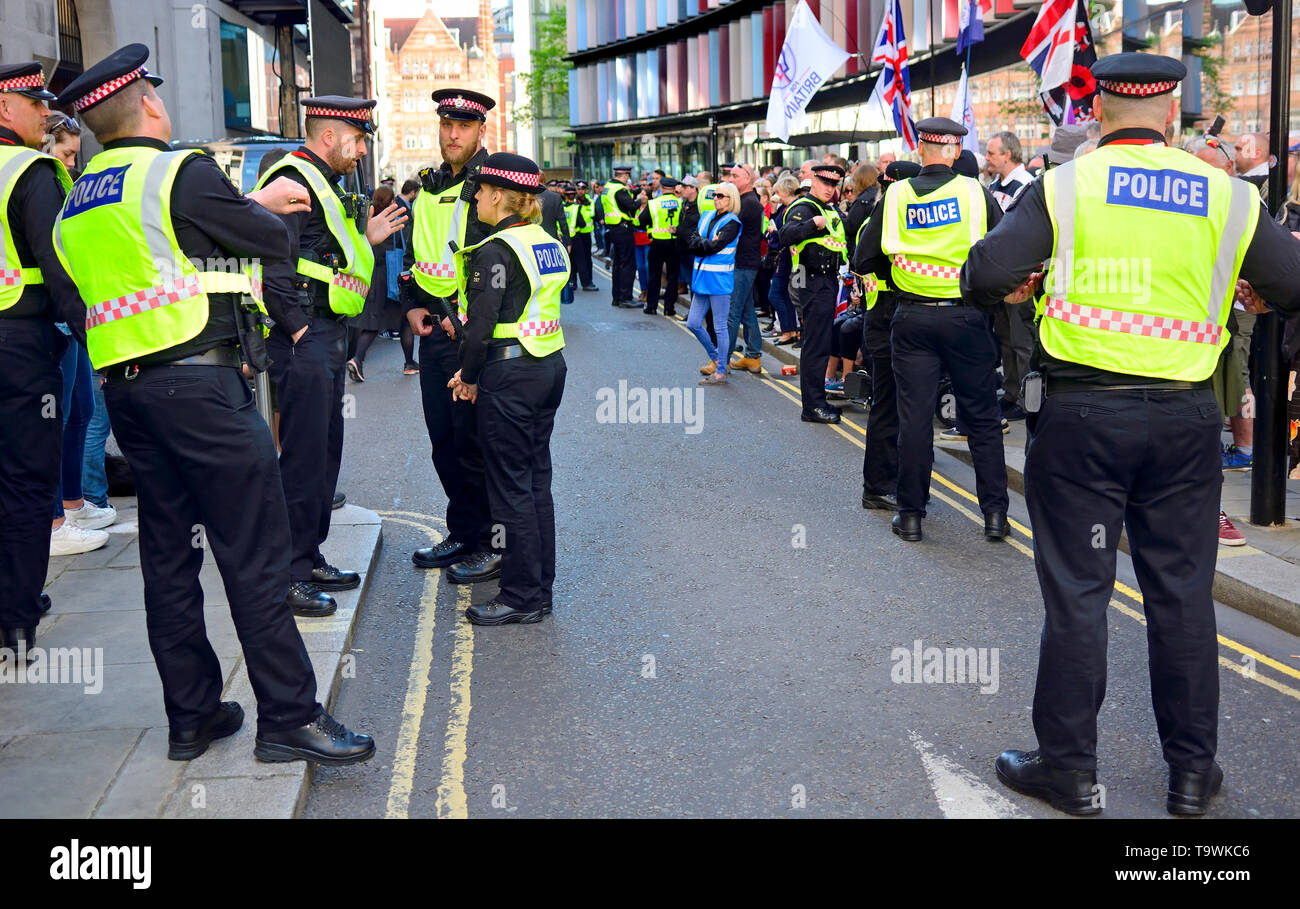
[
  {"x": 1134, "y": 323},
  {"x": 11, "y": 277},
  {"x": 35, "y": 80},
  {"x": 1137, "y": 89},
  {"x": 946, "y": 272},
  {"x": 437, "y": 269},
  {"x": 133, "y": 304},
  {"x": 352, "y": 283},
  {"x": 537, "y": 329},
  {"x": 106, "y": 89}
]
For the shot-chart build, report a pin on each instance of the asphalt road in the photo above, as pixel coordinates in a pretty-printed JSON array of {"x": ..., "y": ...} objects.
[{"x": 726, "y": 618}]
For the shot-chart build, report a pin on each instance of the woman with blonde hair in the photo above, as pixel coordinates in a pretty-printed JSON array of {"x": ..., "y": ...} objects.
[{"x": 713, "y": 278}]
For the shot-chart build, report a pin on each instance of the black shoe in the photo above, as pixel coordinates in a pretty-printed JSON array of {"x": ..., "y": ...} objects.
[
  {"x": 481, "y": 566},
  {"x": 592, "y": 287},
  {"x": 670, "y": 314},
  {"x": 309, "y": 601},
  {"x": 907, "y": 526},
  {"x": 1190, "y": 791},
  {"x": 821, "y": 415},
  {"x": 339, "y": 499},
  {"x": 327, "y": 577},
  {"x": 16, "y": 638},
  {"x": 190, "y": 743},
  {"x": 354, "y": 371},
  {"x": 996, "y": 526},
  {"x": 445, "y": 554},
  {"x": 46, "y": 603},
  {"x": 651, "y": 312},
  {"x": 1071, "y": 791},
  {"x": 494, "y": 612},
  {"x": 882, "y": 503},
  {"x": 1013, "y": 412},
  {"x": 798, "y": 343},
  {"x": 322, "y": 741},
  {"x": 628, "y": 304},
  {"x": 548, "y": 609}
]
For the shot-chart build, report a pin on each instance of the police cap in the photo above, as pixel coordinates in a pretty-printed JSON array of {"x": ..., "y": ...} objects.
[
  {"x": 108, "y": 77},
  {"x": 668, "y": 182},
  {"x": 940, "y": 130},
  {"x": 511, "y": 171},
  {"x": 828, "y": 173},
  {"x": 25, "y": 79},
  {"x": 900, "y": 170},
  {"x": 1134, "y": 75},
  {"x": 358, "y": 112},
  {"x": 462, "y": 104}
]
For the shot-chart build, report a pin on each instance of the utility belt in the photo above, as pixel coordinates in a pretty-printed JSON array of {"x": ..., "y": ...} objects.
[
  {"x": 916, "y": 300},
  {"x": 512, "y": 352},
  {"x": 129, "y": 372},
  {"x": 820, "y": 269},
  {"x": 1061, "y": 386}
]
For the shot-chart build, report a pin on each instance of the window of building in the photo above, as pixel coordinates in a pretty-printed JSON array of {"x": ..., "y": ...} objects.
[
  {"x": 1238, "y": 84},
  {"x": 235, "y": 87},
  {"x": 410, "y": 142},
  {"x": 425, "y": 141},
  {"x": 1252, "y": 84}
]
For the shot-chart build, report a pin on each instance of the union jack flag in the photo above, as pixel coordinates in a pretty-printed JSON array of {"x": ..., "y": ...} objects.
[{"x": 893, "y": 90}]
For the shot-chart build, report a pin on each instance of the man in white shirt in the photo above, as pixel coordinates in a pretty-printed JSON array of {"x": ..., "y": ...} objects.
[{"x": 1005, "y": 162}]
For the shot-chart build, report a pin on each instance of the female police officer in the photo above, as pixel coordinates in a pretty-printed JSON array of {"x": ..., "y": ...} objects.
[{"x": 513, "y": 370}]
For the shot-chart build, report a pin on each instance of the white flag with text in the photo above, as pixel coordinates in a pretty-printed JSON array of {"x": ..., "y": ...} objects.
[{"x": 808, "y": 58}]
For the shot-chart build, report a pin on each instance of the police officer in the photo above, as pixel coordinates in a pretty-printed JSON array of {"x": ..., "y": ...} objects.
[
  {"x": 814, "y": 232},
  {"x": 620, "y": 208},
  {"x": 556, "y": 223},
  {"x": 137, "y": 234},
  {"x": 325, "y": 279},
  {"x": 1128, "y": 434},
  {"x": 446, "y": 221},
  {"x": 34, "y": 295},
  {"x": 660, "y": 218},
  {"x": 513, "y": 371},
  {"x": 688, "y": 219},
  {"x": 880, "y": 457},
  {"x": 582, "y": 222},
  {"x": 917, "y": 239}
]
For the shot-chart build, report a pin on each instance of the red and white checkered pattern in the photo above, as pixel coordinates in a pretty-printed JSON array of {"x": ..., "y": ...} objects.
[
  {"x": 437, "y": 269},
  {"x": 1137, "y": 89},
  {"x": 11, "y": 277},
  {"x": 940, "y": 138},
  {"x": 537, "y": 329},
  {"x": 142, "y": 301},
  {"x": 869, "y": 284},
  {"x": 106, "y": 89},
  {"x": 1134, "y": 323},
  {"x": 947, "y": 272},
  {"x": 462, "y": 104},
  {"x": 833, "y": 243},
  {"x": 255, "y": 281},
  {"x": 362, "y": 115},
  {"x": 352, "y": 283},
  {"x": 517, "y": 176},
  {"x": 35, "y": 80}
]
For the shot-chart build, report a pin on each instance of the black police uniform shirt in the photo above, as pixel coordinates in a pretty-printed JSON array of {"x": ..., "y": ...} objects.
[
  {"x": 475, "y": 230},
  {"x": 554, "y": 220},
  {"x": 999, "y": 264},
  {"x": 33, "y": 205},
  {"x": 799, "y": 226},
  {"x": 489, "y": 303},
  {"x": 214, "y": 222},
  {"x": 309, "y": 238},
  {"x": 867, "y": 255},
  {"x": 857, "y": 215}
]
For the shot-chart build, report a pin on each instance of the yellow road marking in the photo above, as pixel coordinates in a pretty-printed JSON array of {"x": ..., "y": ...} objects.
[
  {"x": 1262, "y": 679},
  {"x": 451, "y": 792}
]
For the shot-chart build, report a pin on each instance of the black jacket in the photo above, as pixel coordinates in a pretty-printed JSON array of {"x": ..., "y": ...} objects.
[{"x": 748, "y": 253}]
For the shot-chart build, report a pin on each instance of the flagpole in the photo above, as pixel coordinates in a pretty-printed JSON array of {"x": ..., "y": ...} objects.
[{"x": 929, "y": 20}]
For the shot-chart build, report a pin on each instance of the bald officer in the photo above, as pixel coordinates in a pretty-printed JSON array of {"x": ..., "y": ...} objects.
[{"x": 1127, "y": 436}]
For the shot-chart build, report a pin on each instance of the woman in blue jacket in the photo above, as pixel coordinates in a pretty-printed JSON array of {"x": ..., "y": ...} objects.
[{"x": 713, "y": 278}]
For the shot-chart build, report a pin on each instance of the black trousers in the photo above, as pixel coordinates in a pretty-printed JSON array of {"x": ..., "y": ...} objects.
[
  {"x": 205, "y": 466},
  {"x": 309, "y": 379},
  {"x": 453, "y": 436},
  {"x": 927, "y": 340},
  {"x": 516, "y": 412},
  {"x": 623, "y": 267},
  {"x": 880, "y": 459},
  {"x": 1149, "y": 462},
  {"x": 581, "y": 260},
  {"x": 31, "y": 436},
  {"x": 816, "y": 303},
  {"x": 1015, "y": 330},
  {"x": 662, "y": 252}
]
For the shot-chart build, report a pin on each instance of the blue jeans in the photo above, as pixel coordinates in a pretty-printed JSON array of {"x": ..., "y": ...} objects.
[
  {"x": 742, "y": 310},
  {"x": 78, "y": 408},
  {"x": 643, "y": 267},
  {"x": 719, "y": 305},
  {"x": 94, "y": 481},
  {"x": 779, "y": 296}
]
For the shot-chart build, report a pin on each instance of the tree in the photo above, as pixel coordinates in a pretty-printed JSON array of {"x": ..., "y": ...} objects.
[{"x": 547, "y": 86}]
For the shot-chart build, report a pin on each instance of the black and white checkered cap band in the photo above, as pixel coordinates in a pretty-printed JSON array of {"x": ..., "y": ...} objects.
[
  {"x": 517, "y": 176},
  {"x": 459, "y": 103},
  {"x": 35, "y": 80},
  {"x": 107, "y": 89},
  {"x": 940, "y": 138},
  {"x": 1137, "y": 89}
]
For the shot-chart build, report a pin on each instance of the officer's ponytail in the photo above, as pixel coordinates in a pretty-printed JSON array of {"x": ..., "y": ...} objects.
[{"x": 525, "y": 205}]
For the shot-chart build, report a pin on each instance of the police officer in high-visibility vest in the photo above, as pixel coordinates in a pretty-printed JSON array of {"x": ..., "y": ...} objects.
[
  {"x": 706, "y": 190},
  {"x": 148, "y": 234},
  {"x": 814, "y": 232},
  {"x": 445, "y": 221},
  {"x": 325, "y": 280},
  {"x": 1127, "y": 436},
  {"x": 583, "y": 222},
  {"x": 34, "y": 294},
  {"x": 880, "y": 455},
  {"x": 619, "y": 209},
  {"x": 513, "y": 372},
  {"x": 660, "y": 217},
  {"x": 917, "y": 239}
]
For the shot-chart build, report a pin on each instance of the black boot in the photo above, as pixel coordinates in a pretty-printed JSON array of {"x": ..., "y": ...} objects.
[
  {"x": 309, "y": 601},
  {"x": 481, "y": 566},
  {"x": 327, "y": 577},
  {"x": 820, "y": 415},
  {"x": 1190, "y": 791},
  {"x": 445, "y": 554},
  {"x": 495, "y": 612},
  {"x": 190, "y": 743},
  {"x": 880, "y": 503},
  {"x": 322, "y": 741},
  {"x": 19, "y": 639},
  {"x": 996, "y": 526},
  {"x": 907, "y": 526},
  {"x": 1071, "y": 791}
]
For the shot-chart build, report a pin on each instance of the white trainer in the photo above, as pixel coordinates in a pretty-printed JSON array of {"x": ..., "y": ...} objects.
[
  {"x": 70, "y": 539},
  {"x": 91, "y": 517}
]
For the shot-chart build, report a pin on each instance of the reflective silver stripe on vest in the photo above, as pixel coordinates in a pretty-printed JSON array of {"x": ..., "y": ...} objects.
[
  {"x": 730, "y": 267},
  {"x": 977, "y": 213},
  {"x": 161, "y": 252},
  {"x": 18, "y": 161}
]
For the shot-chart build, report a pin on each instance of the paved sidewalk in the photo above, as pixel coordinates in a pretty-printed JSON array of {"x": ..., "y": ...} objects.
[{"x": 97, "y": 747}]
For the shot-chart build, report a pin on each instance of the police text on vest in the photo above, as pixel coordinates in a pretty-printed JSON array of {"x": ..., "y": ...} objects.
[
  {"x": 550, "y": 260},
  {"x": 933, "y": 214},
  {"x": 1159, "y": 190},
  {"x": 94, "y": 190}
]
